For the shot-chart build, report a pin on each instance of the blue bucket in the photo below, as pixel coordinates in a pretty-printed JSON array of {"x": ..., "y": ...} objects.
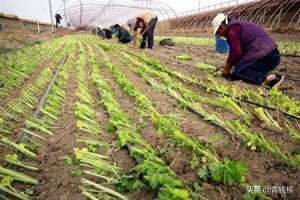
[{"x": 221, "y": 46}]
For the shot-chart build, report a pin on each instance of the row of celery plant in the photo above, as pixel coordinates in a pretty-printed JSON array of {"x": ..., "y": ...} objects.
[
  {"x": 36, "y": 128},
  {"x": 218, "y": 171},
  {"x": 151, "y": 169},
  {"x": 285, "y": 47},
  {"x": 20, "y": 66},
  {"x": 289, "y": 48},
  {"x": 277, "y": 98},
  {"x": 33, "y": 51},
  {"x": 253, "y": 141},
  {"x": 232, "y": 105},
  {"x": 89, "y": 134},
  {"x": 16, "y": 110},
  {"x": 234, "y": 127},
  {"x": 273, "y": 98}
]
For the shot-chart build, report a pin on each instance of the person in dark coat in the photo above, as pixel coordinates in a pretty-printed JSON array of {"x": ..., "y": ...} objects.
[
  {"x": 253, "y": 53},
  {"x": 122, "y": 34},
  {"x": 100, "y": 32},
  {"x": 93, "y": 30},
  {"x": 104, "y": 33},
  {"x": 108, "y": 33},
  {"x": 57, "y": 19}
]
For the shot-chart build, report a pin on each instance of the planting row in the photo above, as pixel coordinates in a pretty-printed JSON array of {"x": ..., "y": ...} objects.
[
  {"x": 21, "y": 164},
  {"x": 291, "y": 48},
  {"x": 228, "y": 172},
  {"x": 30, "y": 120},
  {"x": 23, "y": 63},
  {"x": 271, "y": 100},
  {"x": 238, "y": 128}
]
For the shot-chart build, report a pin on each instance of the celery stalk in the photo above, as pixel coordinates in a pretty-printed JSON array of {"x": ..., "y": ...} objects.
[
  {"x": 18, "y": 176},
  {"x": 104, "y": 189}
]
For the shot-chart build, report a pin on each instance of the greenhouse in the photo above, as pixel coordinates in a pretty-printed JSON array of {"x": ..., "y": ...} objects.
[{"x": 150, "y": 100}]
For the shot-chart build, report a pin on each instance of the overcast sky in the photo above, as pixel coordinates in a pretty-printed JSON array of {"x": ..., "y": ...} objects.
[{"x": 39, "y": 9}]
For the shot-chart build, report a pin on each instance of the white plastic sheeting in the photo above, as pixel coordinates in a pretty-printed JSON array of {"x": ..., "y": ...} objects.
[{"x": 107, "y": 12}]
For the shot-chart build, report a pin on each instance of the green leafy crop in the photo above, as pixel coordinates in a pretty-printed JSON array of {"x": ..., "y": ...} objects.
[{"x": 229, "y": 172}]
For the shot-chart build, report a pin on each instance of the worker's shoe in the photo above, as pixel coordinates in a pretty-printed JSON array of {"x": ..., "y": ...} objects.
[
  {"x": 1, "y": 84},
  {"x": 276, "y": 81}
]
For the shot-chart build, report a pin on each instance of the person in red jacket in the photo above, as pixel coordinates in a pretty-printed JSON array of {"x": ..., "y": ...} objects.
[{"x": 147, "y": 23}]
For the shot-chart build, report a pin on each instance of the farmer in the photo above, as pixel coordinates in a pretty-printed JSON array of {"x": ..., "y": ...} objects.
[
  {"x": 57, "y": 19},
  {"x": 146, "y": 22},
  {"x": 100, "y": 32},
  {"x": 252, "y": 51},
  {"x": 122, "y": 33},
  {"x": 108, "y": 33},
  {"x": 1, "y": 84},
  {"x": 93, "y": 30}
]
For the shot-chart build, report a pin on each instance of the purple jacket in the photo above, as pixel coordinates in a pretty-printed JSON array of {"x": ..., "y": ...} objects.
[{"x": 255, "y": 42}]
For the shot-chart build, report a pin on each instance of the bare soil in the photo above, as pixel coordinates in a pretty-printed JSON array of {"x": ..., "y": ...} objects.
[
  {"x": 13, "y": 40},
  {"x": 263, "y": 168},
  {"x": 189, "y": 68},
  {"x": 56, "y": 182}
]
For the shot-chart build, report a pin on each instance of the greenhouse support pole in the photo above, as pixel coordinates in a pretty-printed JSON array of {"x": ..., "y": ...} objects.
[
  {"x": 80, "y": 15},
  {"x": 38, "y": 26},
  {"x": 65, "y": 13},
  {"x": 51, "y": 16}
]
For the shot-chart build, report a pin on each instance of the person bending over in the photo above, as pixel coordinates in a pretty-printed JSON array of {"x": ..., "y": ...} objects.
[
  {"x": 122, "y": 34},
  {"x": 147, "y": 23},
  {"x": 253, "y": 53}
]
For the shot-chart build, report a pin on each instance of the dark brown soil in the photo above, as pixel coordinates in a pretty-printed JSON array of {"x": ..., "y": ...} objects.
[
  {"x": 225, "y": 148},
  {"x": 14, "y": 40},
  {"x": 178, "y": 159},
  {"x": 265, "y": 169},
  {"x": 56, "y": 182},
  {"x": 188, "y": 68}
]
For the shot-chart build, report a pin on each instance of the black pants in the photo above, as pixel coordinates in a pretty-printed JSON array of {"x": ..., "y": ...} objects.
[
  {"x": 125, "y": 40},
  {"x": 56, "y": 23},
  {"x": 149, "y": 35},
  {"x": 256, "y": 72}
]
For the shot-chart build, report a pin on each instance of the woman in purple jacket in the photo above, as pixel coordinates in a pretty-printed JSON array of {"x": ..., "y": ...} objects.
[{"x": 252, "y": 51}]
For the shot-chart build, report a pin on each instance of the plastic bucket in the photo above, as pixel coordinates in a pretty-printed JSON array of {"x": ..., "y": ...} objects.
[{"x": 221, "y": 46}]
